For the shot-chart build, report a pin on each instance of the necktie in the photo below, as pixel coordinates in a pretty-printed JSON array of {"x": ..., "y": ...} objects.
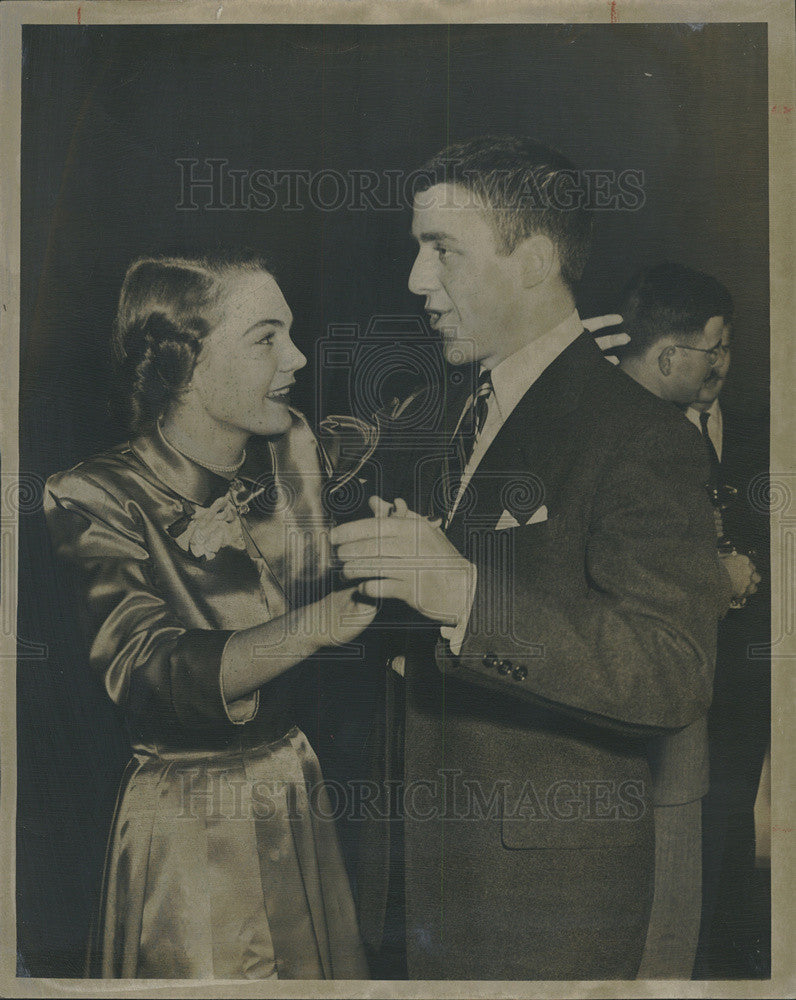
[
  {"x": 715, "y": 465},
  {"x": 463, "y": 441}
]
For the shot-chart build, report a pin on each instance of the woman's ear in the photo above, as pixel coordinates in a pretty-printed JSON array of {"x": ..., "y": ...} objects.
[{"x": 538, "y": 258}]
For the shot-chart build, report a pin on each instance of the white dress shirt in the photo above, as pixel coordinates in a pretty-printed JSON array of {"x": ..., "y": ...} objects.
[
  {"x": 511, "y": 379},
  {"x": 715, "y": 424}
]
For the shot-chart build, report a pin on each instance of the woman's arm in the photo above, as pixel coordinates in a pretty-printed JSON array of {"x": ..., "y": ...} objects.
[
  {"x": 254, "y": 656},
  {"x": 150, "y": 662}
]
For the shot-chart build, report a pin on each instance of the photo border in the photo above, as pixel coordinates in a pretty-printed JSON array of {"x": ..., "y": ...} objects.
[{"x": 778, "y": 14}]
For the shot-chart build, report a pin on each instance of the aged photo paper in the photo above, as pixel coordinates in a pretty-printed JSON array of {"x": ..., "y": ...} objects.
[{"x": 398, "y": 498}]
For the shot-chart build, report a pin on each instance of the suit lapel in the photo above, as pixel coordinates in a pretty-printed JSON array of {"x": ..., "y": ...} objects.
[
  {"x": 520, "y": 465},
  {"x": 434, "y": 467}
]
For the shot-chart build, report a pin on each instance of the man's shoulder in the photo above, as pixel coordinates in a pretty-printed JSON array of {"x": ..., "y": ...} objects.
[
  {"x": 637, "y": 441},
  {"x": 623, "y": 408},
  {"x": 612, "y": 387}
]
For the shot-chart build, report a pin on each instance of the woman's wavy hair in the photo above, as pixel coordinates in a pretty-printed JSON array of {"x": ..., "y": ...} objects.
[{"x": 166, "y": 307}]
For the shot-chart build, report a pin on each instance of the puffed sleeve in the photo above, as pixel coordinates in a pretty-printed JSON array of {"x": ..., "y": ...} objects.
[{"x": 152, "y": 665}]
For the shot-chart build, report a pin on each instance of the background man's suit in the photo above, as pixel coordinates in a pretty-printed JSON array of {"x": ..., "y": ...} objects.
[
  {"x": 734, "y": 937},
  {"x": 590, "y": 631}
]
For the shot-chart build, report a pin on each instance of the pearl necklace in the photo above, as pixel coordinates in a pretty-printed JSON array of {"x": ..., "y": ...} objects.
[{"x": 221, "y": 470}]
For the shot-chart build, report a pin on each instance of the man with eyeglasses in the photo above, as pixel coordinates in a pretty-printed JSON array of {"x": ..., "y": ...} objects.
[{"x": 679, "y": 320}]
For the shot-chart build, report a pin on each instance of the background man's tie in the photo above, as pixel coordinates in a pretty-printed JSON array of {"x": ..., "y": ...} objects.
[
  {"x": 463, "y": 441},
  {"x": 715, "y": 465}
]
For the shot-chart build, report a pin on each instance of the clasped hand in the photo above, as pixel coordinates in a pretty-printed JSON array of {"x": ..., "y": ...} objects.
[
  {"x": 399, "y": 554},
  {"x": 743, "y": 574}
]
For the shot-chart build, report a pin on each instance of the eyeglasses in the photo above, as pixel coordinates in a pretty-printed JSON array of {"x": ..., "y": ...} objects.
[{"x": 712, "y": 353}]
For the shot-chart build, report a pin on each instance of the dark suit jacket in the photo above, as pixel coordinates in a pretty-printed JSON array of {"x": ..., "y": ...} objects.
[
  {"x": 527, "y": 814},
  {"x": 739, "y": 709},
  {"x": 739, "y": 721},
  {"x": 745, "y": 633}
]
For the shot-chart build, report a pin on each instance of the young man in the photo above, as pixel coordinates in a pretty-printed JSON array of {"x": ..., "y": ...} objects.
[{"x": 572, "y": 567}]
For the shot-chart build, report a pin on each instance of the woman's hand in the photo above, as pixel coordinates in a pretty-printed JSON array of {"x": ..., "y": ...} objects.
[
  {"x": 338, "y": 618},
  {"x": 399, "y": 554},
  {"x": 607, "y": 341}
]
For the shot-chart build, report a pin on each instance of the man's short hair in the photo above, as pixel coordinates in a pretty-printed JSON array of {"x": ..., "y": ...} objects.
[
  {"x": 670, "y": 300},
  {"x": 528, "y": 188}
]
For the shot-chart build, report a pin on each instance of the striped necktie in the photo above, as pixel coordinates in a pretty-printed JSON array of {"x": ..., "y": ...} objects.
[{"x": 470, "y": 425}]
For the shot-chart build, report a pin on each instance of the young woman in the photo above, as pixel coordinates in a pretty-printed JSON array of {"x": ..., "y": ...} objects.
[{"x": 203, "y": 573}]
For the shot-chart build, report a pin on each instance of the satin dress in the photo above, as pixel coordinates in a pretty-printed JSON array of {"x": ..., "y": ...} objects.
[{"x": 223, "y": 860}]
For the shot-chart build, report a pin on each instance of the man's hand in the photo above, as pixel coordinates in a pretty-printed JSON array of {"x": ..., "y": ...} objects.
[
  {"x": 399, "y": 554},
  {"x": 607, "y": 341},
  {"x": 743, "y": 576}
]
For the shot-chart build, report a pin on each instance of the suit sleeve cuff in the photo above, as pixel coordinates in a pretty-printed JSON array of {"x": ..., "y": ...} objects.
[
  {"x": 455, "y": 634},
  {"x": 197, "y": 682}
]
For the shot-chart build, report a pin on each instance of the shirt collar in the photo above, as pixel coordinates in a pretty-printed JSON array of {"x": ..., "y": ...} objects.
[
  {"x": 182, "y": 475},
  {"x": 515, "y": 375},
  {"x": 714, "y": 410}
]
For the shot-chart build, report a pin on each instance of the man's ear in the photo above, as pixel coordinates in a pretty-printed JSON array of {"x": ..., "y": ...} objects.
[
  {"x": 538, "y": 258},
  {"x": 665, "y": 360}
]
